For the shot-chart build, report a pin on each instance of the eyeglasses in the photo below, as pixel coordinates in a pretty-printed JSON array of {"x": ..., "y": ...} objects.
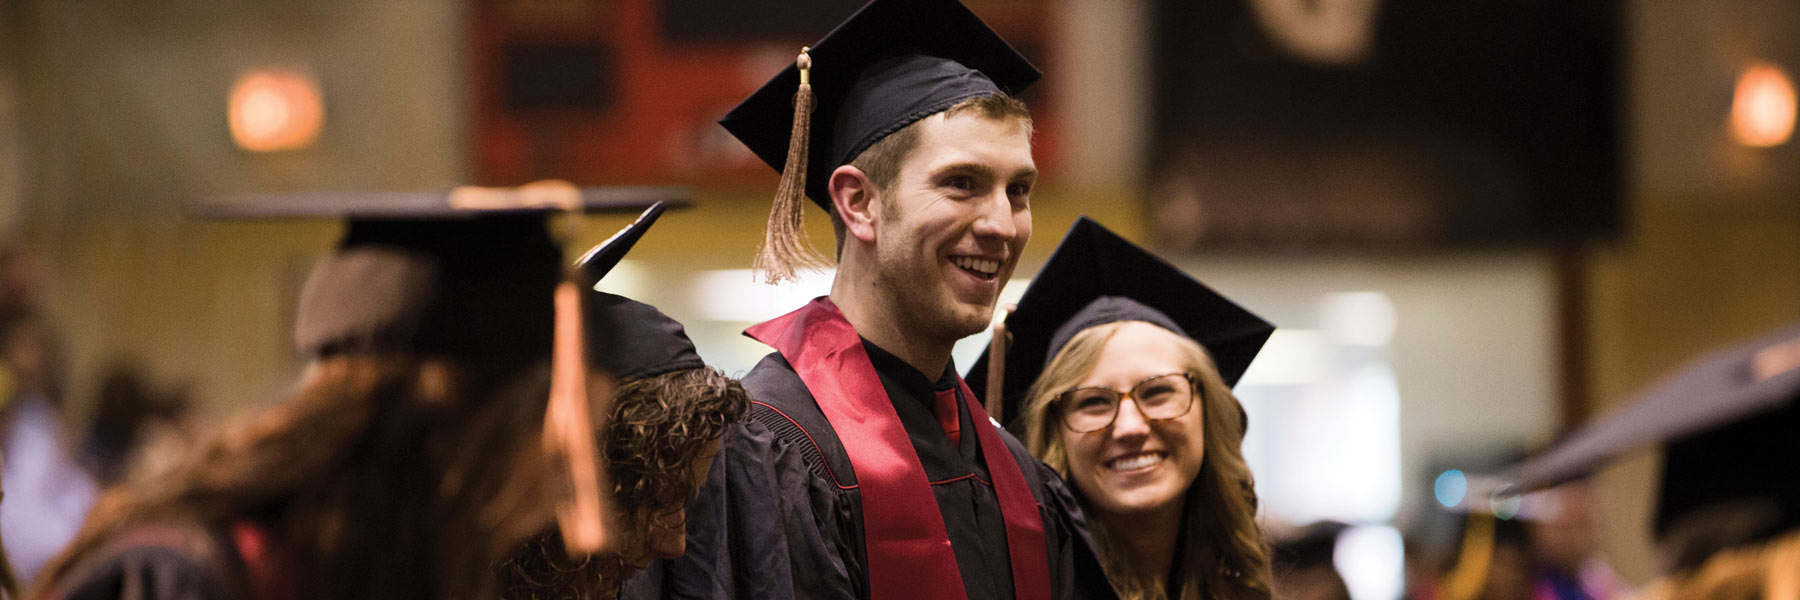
[{"x": 1162, "y": 397}]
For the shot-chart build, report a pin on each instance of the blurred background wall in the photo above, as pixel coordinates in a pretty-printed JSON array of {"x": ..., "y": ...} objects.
[{"x": 1402, "y": 360}]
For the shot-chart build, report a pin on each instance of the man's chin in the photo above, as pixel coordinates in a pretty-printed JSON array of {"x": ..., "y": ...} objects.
[{"x": 971, "y": 319}]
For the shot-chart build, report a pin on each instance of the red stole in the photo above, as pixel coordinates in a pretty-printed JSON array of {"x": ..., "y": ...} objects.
[{"x": 908, "y": 548}]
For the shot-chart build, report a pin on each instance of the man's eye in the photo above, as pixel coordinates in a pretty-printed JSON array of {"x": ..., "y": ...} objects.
[
  {"x": 961, "y": 182},
  {"x": 1018, "y": 189}
]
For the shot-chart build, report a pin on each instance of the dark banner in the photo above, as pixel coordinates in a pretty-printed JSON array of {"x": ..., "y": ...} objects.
[
  {"x": 1324, "y": 124},
  {"x": 629, "y": 91}
]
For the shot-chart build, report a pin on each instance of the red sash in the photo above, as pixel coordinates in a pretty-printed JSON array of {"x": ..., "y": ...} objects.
[{"x": 908, "y": 548}]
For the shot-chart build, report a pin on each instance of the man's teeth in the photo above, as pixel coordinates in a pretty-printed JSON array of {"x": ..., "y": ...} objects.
[
  {"x": 1135, "y": 461},
  {"x": 985, "y": 267}
]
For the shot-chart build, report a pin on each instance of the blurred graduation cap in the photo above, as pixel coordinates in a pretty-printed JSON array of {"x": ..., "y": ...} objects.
[
  {"x": 889, "y": 65},
  {"x": 470, "y": 274},
  {"x": 1096, "y": 277},
  {"x": 466, "y": 273},
  {"x": 1731, "y": 429},
  {"x": 630, "y": 339}
]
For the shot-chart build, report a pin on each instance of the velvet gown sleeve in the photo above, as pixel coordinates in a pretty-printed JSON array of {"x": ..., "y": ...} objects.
[{"x": 153, "y": 562}]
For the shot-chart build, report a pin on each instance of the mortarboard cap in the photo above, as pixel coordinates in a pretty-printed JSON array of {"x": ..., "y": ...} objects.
[
  {"x": 470, "y": 274},
  {"x": 630, "y": 339},
  {"x": 467, "y": 273},
  {"x": 889, "y": 65},
  {"x": 1727, "y": 422},
  {"x": 1096, "y": 277}
]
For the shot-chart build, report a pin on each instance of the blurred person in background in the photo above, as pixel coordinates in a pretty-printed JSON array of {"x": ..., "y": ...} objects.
[
  {"x": 1129, "y": 406},
  {"x": 18, "y": 279},
  {"x": 9, "y": 582},
  {"x": 1565, "y": 541},
  {"x": 1494, "y": 561},
  {"x": 414, "y": 451},
  {"x": 1423, "y": 567},
  {"x": 136, "y": 429},
  {"x": 868, "y": 469},
  {"x": 1727, "y": 519},
  {"x": 49, "y": 493},
  {"x": 1305, "y": 567},
  {"x": 668, "y": 413}
]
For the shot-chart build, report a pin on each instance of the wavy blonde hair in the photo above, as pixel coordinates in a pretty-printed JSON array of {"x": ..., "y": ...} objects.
[
  {"x": 1767, "y": 571},
  {"x": 1223, "y": 550}
]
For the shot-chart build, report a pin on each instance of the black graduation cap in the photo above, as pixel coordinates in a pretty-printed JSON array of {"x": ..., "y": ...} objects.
[
  {"x": 630, "y": 339},
  {"x": 1096, "y": 277},
  {"x": 889, "y": 65},
  {"x": 467, "y": 273},
  {"x": 1730, "y": 426}
]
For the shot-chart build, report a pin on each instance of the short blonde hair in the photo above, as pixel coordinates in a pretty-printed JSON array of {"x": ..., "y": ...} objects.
[
  {"x": 883, "y": 160},
  {"x": 1226, "y": 553}
]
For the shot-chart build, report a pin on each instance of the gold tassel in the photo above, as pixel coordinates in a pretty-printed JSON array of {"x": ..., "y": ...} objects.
[
  {"x": 1465, "y": 580},
  {"x": 996, "y": 373},
  {"x": 786, "y": 248}
]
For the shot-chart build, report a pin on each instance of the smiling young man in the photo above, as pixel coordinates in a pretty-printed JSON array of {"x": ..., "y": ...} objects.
[{"x": 866, "y": 470}]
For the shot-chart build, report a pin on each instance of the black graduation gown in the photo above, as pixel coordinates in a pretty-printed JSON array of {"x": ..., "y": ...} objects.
[
  {"x": 157, "y": 562},
  {"x": 780, "y": 517}
]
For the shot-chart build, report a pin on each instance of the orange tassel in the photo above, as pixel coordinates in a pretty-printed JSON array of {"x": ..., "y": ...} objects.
[
  {"x": 786, "y": 248},
  {"x": 569, "y": 431}
]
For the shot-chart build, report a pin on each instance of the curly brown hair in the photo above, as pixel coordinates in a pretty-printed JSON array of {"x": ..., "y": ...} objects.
[{"x": 660, "y": 427}]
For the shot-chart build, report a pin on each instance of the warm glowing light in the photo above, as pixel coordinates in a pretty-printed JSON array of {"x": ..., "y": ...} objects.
[
  {"x": 272, "y": 110},
  {"x": 1762, "y": 109}
]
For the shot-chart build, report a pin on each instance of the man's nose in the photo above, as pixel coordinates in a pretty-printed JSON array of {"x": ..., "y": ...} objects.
[{"x": 996, "y": 218}]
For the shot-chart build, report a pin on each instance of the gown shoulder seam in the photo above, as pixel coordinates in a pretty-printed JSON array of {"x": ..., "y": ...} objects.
[{"x": 815, "y": 445}]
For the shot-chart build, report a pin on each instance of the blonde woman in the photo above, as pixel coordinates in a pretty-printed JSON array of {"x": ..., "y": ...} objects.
[{"x": 1135, "y": 414}]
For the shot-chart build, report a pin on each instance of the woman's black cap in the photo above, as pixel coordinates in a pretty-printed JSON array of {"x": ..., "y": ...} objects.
[
  {"x": 1096, "y": 277},
  {"x": 628, "y": 338}
]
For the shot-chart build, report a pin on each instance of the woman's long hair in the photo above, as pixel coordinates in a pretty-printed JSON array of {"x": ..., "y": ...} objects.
[
  {"x": 1222, "y": 551},
  {"x": 377, "y": 477}
]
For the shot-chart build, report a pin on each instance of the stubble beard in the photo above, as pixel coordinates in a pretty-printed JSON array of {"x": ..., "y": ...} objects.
[{"x": 919, "y": 300}]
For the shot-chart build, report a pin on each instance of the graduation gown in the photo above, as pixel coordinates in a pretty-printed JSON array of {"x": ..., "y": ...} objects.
[
  {"x": 781, "y": 513},
  {"x": 181, "y": 561}
]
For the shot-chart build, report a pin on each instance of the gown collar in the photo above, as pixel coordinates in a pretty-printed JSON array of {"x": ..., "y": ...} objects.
[{"x": 909, "y": 378}]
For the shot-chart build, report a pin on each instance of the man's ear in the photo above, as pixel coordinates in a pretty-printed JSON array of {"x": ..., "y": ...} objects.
[{"x": 854, "y": 196}]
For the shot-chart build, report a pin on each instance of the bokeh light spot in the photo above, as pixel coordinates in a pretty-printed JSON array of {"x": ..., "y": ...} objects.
[
  {"x": 1763, "y": 107},
  {"x": 272, "y": 110},
  {"x": 1451, "y": 487}
]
